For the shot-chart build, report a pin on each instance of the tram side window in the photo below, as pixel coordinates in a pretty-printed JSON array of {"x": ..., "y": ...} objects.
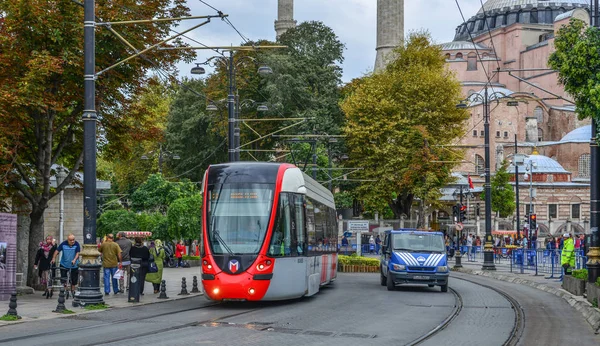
[
  {"x": 320, "y": 226},
  {"x": 282, "y": 232},
  {"x": 299, "y": 224},
  {"x": 310, "y": 226},
  {"x": 333, "y": 229}
]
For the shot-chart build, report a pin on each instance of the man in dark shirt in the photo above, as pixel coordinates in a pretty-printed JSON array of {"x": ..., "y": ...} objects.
[
  {"x": 141, "y": 252},
  {"x": 125, "y": 245}
]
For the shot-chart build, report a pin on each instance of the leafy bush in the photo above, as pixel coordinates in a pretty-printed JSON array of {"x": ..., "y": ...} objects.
[
  {"x": 359, "y": 261},
  {"x": 115, "y": 221},
  {"x": 580, "y": 274},
  {"x": 190, "y": 258},
  {"x": 343, "y": 199},
  {"x": 598, "y": 282}
]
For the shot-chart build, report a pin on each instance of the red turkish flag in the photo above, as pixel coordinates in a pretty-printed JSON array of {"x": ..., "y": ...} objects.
[{"x": 470, "y": 182}]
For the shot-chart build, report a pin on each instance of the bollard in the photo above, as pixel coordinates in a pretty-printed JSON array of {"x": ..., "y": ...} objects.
[
  {"x": 61, "y": 301},
  {"x": 12, "y": 306},
  {"x": 195, "y": 285},
  {"x": 163, "y": 290},
  {"x": 184, "y": 291},
  {"x": 458, "y": 259}
]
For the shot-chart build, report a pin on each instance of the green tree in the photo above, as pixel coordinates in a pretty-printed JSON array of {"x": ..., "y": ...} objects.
[
  {"x": 156, "y": 223},
  {"x": 185, "y": 217},
  {"x": 577, "y": 61},
  {"x": 397, "y": 122},
  {"x": 115, "y": 221},
  {"x": 41, "y": 88},
  {"x": 195, "y": 135},
  {"x": 503, "y": 196},
  {"x": 157, "y": 194}
]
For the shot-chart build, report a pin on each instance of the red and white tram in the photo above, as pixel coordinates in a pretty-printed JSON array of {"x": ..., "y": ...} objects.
[{"x": 269, "y": 232}]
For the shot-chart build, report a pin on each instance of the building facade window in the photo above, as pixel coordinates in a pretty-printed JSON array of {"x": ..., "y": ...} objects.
[
  {"x": 472, "y": 62},
  {"x": 474, "y": 133},
  {"x": 533, "y": 16},
  {"x": 479, "y": 164},
  {"x": 459, "y": 56},
  {"x": 549, "y": 18},
  {"x": 575, "y": 211},
  {"x": 481, "y": 133},
  {"x": 505, "y": 134},
  {"x": 538, "y": 112},
  {"x": 527, "y": 211},
  {"x": 583, "y": 166},
  {"x": 448, "y": 56},
  {"x": 497, "y": 133},
  {"x": 540, "y": 135},
  {"x": 552, "y": 211}
]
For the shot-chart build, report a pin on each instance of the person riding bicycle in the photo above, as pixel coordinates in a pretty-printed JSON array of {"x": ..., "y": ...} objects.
[
  {"x": 43, "y": 258},
  {"x": 69, "y": 261}
]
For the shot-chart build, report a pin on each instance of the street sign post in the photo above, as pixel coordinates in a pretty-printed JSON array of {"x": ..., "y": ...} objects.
[{"x": 358, "y": 227}]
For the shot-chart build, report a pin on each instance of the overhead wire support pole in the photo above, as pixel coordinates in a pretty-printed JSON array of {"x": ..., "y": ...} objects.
[
  {"x": 159, "y": 20},
  {"x": 488, "y": 252}
]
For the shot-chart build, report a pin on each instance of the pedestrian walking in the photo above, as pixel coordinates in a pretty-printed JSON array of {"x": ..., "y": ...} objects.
[
  {"x": 470, "y": 256},
  {"x": 377, "y": 244},
  {"x": 111, "y": 261},
  {"x": 567, "y": 258},
  {"x": 43, "y": 260},
  {"x": 140, "y": 251},
  {"x": 158, "y": 252},
  {"x": 125, "y": 245},
  {"x": 179, "y": 252},
  {"x": 371, "y": 244},
  {"x": 69, "y": 261}
]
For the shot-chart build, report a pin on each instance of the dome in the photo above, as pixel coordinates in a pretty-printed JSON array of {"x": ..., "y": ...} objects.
[
  {"x": 542, "y": 164},
  {"x": 463, "y": 45},
  {"x": 581, "y": 134},
  {"x": 492, "y": 5}
]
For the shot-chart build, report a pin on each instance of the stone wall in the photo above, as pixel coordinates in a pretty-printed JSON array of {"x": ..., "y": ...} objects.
[{"x": 73, "y": 214}]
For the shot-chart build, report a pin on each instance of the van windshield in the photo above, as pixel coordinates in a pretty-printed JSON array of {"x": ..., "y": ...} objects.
[{"x": 418, "y": 242}]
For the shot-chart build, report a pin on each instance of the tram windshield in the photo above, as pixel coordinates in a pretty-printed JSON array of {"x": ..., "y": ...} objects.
[
  {"x": 238, "y": 216},
  {"x": 418, "y": 242}
]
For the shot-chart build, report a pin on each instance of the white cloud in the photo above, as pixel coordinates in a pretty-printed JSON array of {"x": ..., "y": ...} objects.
[{"x": 354, "y": 21}]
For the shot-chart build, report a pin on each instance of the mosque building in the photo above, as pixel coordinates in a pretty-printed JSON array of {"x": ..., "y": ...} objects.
[{"x": 529, "y": 111}]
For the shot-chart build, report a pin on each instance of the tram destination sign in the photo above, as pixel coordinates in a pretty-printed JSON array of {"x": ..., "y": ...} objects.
[{"x": 358, "y": 226}]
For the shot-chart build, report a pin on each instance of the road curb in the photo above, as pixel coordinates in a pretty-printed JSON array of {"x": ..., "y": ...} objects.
[{"x": 591, "y": 314}]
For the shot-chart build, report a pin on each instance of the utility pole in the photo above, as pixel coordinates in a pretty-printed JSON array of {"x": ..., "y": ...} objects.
[
  {"x": 231, "y": 110},
  {"x": 516, "y": 162},
  {"x": 89, "y": 288},
  {"x": 488, "y": 252},
  {"x": 593, "y": 255}
]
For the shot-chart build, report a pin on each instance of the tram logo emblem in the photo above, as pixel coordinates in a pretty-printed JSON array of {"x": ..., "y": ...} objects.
[
  {"x": 421, "y": 259},
  {"x": 234, "y": 266}
]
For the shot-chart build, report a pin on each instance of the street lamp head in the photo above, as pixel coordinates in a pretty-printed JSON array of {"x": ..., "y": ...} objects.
[
  {"x": 198, "y": 69},
  {"x": 264, "y": 70},
  {"x": 262, "y": 108},
  {"x": 462, "y": 105},
  {"x": 144, "y": 157},
  {"x": 212, "y": 108}
]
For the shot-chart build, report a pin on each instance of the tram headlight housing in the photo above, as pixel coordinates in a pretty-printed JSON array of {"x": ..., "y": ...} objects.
[
  {"x": 399, "y": 267},
  {"x": 442, "y": 269},
  {"x": 251, "y": 291},
  {"x": 216, "y": 291}
]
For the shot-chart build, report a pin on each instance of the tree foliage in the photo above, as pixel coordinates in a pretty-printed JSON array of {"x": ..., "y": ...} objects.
[
  {"x": 577, "y": 61},
  {"x": 503, "y": 196},
  {"x": 115, "y": 221},
  {"x": 157, "y": 194},
  {"x": 397, "y": 121},
  {"x": 185, "y": 217}
]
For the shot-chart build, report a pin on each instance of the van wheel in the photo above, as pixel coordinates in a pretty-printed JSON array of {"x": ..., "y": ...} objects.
[
  {"x": 390, "y": 283},
  {"x": 445, "y": 288},
  {"x": 382, "y": 279}
]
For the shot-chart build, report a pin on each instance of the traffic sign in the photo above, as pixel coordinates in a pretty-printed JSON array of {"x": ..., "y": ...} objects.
[
  {"x": 358, "y": 226},
  {"x": 459, "y": 226}
]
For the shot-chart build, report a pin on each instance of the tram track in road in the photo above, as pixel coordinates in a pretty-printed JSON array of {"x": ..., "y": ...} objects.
[{"x": 514, "y": 335}]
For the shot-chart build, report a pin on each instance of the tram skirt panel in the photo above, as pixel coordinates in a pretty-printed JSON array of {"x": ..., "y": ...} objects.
[{"x": 289, "y": 279}]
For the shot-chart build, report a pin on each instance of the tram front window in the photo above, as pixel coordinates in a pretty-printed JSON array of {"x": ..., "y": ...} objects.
[
  {"x": 418, "y": 243},
  {"x": 238, "y": 216}
]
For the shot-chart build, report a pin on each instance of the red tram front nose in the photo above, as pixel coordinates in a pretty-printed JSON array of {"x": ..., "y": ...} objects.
[{"x": 250, "y": 285}]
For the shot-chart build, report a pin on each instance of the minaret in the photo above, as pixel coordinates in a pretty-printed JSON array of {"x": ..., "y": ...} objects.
[
  {"x": 390, "y": 29},
  {"x": 285, "y": 17}
]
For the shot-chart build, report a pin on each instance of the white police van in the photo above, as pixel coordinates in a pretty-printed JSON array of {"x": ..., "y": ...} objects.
[{"x": 414, "y": 257}]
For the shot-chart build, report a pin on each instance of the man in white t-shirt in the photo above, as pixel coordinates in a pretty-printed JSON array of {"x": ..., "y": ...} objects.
[{"x": 470, "y": 257}]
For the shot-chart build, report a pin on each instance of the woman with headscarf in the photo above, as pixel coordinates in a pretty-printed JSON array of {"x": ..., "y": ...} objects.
[
  {"x": 43, "y": 258},
  {"x": 158, "y": 251},
  {"x": 140, "y": 251}
]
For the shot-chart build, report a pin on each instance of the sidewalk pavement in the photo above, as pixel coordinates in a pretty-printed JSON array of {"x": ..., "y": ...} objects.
[
  {"x": 528, "y": 278},
  {"x": 33, "y": 307}
]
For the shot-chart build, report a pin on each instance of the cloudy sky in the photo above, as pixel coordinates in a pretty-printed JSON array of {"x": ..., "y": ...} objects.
[{"x": 354, "y": 21}]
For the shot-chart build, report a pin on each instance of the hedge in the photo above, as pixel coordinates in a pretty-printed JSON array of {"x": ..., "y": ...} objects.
[
  {"x": 190, "y": 258},
  {"x": 580, "y": 274},
  {"x": 357, "y": 260}
]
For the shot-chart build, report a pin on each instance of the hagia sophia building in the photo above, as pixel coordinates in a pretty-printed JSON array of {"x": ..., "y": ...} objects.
[{"x": 507, "y": 47}]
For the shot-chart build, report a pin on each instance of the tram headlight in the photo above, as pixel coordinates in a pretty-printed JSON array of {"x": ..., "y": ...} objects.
[
  {"x": 209, "y": 266},
  {"x": 442, "y": 269},
  {"x": 261, "y": 266},
  {"x": 216, "y": 291},
  {"x": 251, "y": 291},
  {"x": 399, "y": 267}
]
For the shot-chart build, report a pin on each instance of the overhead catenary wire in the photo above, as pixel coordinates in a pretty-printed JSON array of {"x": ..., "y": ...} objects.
[{"x": 489, "y": 32}]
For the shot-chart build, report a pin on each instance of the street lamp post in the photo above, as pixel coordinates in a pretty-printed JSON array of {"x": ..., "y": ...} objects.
[
  {"x": 233, "y": 129},
  {"x": 593, "y": 255},
  {"x": 161, "y": 157},
  {"x": 89, "y": 287}
]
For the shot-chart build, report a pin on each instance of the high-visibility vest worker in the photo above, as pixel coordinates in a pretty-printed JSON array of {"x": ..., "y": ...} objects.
[{"x": 568, "y": 251}]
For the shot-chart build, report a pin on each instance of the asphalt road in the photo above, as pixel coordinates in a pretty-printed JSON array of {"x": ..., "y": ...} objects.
[{"x": 355, "y": 310}]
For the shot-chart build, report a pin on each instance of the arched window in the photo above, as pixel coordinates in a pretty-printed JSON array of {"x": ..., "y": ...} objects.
[
  {"x": 505, "y": 18},
  {"x": 479, "y": 165},
  {"x": 519, "y": 17},
  {"x": 533, "y": 16},
  {"x": 549, "y": 18},
  {"x": 583, "y": 166},
  {"x": 458, "y": 56},
  {"x": 471, "y": 26},
  {"x": 538, "y": 112},
  {"x": 480, "y": 24},
  {"x": 472, "y": 62},
  {"x": 447, "y": 56},
  {"x": 492, "y": 22},
  {"x": 540, "y": 135}
]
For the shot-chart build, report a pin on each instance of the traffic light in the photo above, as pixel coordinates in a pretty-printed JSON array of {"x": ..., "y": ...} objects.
[
  {"x": 533, "y": 222},
  {"x": 462, "y": 213},
  {"x": 455, "y": 213}
]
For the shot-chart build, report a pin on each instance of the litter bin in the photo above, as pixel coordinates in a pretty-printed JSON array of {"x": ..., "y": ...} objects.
[{"x": 134, "y": 280}]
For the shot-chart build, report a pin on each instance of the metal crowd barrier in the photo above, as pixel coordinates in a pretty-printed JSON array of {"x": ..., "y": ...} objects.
[{"x": 543, "y": 261}]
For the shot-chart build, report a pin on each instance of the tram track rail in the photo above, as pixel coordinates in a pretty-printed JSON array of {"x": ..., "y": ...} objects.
[{"x": 515, "y": 334}]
